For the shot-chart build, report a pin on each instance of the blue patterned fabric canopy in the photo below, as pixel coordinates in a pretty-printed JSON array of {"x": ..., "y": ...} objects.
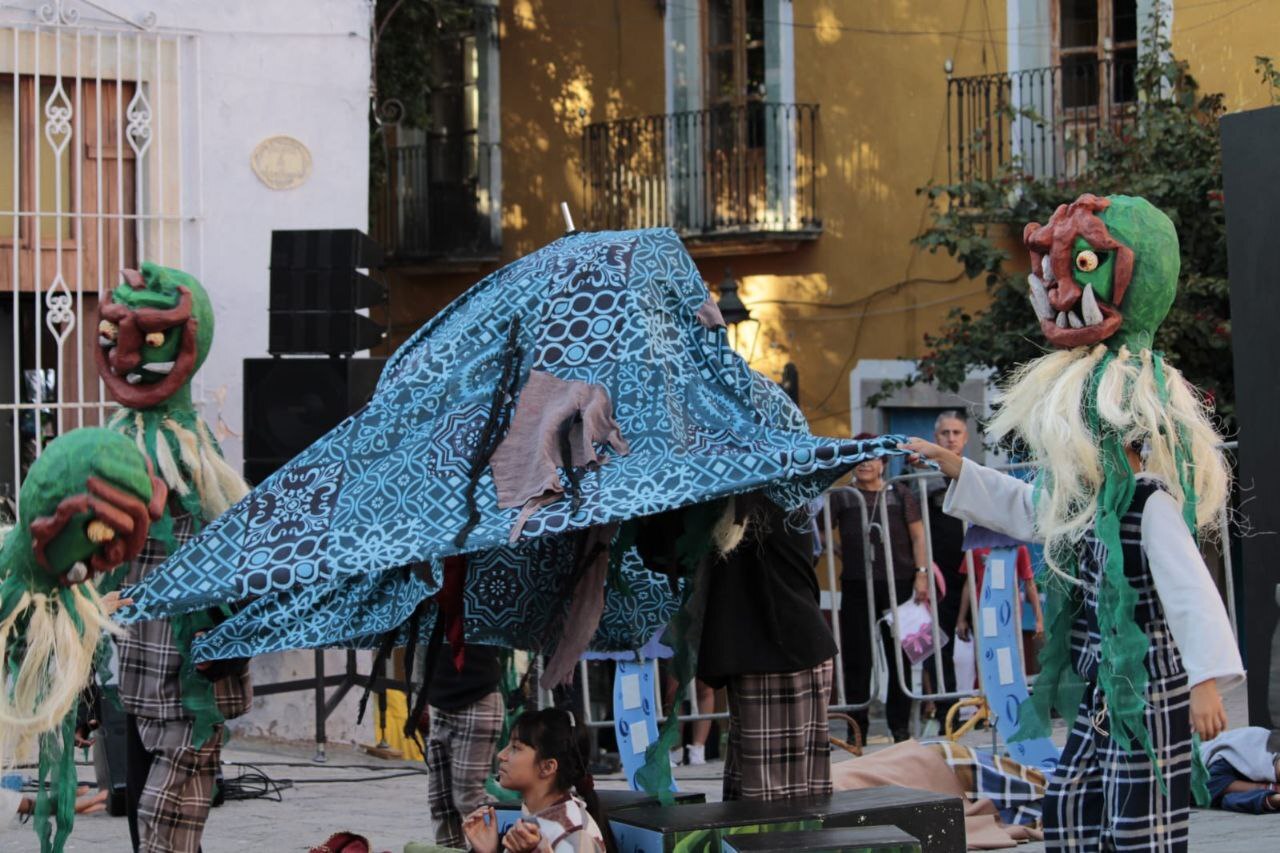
[{"x": 345, "y": 541}]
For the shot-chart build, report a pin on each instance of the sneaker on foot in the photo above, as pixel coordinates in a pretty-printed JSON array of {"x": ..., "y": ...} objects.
[
  {"x": 676, "y": 756},
  {"x": 697, "y": 754}
]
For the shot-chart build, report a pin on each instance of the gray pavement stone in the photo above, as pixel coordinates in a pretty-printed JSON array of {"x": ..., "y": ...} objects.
[{"x": 350, "y": 791}]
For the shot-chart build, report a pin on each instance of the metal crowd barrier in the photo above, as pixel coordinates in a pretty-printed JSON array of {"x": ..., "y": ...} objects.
[{"x": 920, "y": 481}]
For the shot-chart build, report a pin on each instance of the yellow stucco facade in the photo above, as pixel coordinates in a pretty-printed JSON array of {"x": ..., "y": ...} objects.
[
  {"x": 1221, "y": 40},
  {"x": 876, "y": 70}
]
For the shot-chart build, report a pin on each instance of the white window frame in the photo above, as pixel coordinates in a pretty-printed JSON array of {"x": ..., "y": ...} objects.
[
  {"x": 974, "y": 397},
  {"x": 685, "y": 92}
]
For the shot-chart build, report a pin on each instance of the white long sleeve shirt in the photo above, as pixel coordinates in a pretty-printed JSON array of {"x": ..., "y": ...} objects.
[{"x": 1192, "y": 606}]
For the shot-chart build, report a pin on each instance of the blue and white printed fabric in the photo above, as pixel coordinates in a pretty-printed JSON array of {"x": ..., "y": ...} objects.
[{"x": 344, "y": 542}]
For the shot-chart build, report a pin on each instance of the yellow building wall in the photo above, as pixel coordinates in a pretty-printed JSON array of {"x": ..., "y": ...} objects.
[
  {"x": 564, "y": 64},
  {"x": 860, "y": 291},
  {"x": 877, "y": 71},
  {"x": 1221, "y": 40}
]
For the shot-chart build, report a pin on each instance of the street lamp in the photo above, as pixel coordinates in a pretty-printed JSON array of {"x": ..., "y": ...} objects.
[
  {"x": 733, "y": 311},
  {"x": 730, "y": 304}
]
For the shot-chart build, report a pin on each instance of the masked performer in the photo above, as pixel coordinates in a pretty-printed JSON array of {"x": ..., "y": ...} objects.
[
  {"x": 154, "y": 334},
  {"x": 1139, "y": 644},
  {"x": 84, "y": 509}
]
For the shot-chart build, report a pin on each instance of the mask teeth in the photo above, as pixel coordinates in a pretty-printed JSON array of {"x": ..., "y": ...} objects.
[
  {"x": 1039, "y": 297},
  {"x": 1089, "y": 307}
]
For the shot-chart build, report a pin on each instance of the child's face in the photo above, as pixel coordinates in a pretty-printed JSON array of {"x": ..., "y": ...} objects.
[{"x": 519, "y": 768}]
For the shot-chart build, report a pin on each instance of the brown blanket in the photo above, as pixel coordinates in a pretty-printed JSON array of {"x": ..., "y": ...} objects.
[{"x": 914, "y": 765}]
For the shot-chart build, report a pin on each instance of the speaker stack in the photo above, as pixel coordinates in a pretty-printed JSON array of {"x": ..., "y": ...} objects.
[{"x": 316, "y": 294}]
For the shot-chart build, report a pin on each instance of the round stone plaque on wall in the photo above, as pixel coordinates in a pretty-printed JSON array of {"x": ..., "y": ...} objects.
[{"x": 281, "y": 162}]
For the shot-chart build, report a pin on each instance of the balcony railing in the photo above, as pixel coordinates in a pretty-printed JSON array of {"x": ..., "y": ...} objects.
[
  {"x": 734, "y": 171},
  {"x": 1041, "y": 122},
  {"x": 436, "y": 202}
]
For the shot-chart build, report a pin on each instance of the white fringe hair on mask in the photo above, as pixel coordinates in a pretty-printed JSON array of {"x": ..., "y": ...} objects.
[
  {"x": 728, "y": 532},
  {"x": 1043, "y": 405},
  {"x": 202, "y": 466},
  {"x": 54, "y": 668}
]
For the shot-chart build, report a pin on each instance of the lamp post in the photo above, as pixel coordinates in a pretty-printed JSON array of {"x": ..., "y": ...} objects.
[{"x": 732, "y": 309}]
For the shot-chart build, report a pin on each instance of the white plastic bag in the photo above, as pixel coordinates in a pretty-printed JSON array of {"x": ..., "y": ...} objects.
[{"x": 915, "y": 626}]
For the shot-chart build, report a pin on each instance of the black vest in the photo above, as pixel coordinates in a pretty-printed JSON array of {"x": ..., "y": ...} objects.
[{"x": 1163, "y": 660}]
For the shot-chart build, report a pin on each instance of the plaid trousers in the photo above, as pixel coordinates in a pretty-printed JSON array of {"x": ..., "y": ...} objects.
[
  {"x": 460, "y": 749},
  {"x": 1102, "y": 797},
  {"x": 171, "y": 783},
  {"x": 1017, "y": 790},
  {"x": 779, "y": 742}
]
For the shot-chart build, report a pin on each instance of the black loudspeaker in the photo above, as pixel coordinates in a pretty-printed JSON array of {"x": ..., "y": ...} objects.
[
  {"x": 315, "y": 292},
  {"x": 323, "y": 290},
  {"x": 322, "y": 333},
  {"x": 324, "y": 249},
  {"x": 291, "y": 402},
  {"x": 1251, "y": 185}
]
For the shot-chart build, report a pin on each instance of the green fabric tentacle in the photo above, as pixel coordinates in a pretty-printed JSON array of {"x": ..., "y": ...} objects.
[
  {"x": 56, "y": 800},
  {"x": 694, "y": 549},
  {"x": 197, "y": 691},
  {"x": 1122, "y": 673}
]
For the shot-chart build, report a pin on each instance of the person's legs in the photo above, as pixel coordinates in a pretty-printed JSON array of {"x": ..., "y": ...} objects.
[
  {"x": 1140, "y": 815},
  {"x": 702, "y": 728},
  {"x": 175, "y": 800},
  {"x": 897, "y": 706},
  {"x": 855, "y": 648},
  {"x": 1030, "y": 654},
  {"x": 779, "y": 744},
  {"x": 137, "y": 767},
  {"x": 670, "y": 701},
  {"x": 1073, "y": 797},
  {"x": 948, "y": 613},
  {"x": 445, "y": 817},
  {"x": 473, "y": 747},
  {"x": 817, "y": 729},
  {"x": 732, "y": 789}
]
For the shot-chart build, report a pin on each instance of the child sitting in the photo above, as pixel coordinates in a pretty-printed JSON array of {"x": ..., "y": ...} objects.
[{"x": 545, "y": 764}]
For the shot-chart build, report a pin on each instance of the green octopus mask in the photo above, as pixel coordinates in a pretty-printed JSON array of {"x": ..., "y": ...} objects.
[
  {"x": 86, "y": 507},
  {"x": 1103, "y": 270},
  {"x": 153, "y": 335}
]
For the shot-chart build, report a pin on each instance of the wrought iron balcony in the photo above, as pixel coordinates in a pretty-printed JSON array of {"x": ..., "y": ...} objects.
[
  {"x": 1040, "y": 122},
  {"x": 747, "y": 172},
  {"x": 436, "y": 202}
]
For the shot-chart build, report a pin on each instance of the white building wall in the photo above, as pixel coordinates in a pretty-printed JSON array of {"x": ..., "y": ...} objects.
[{"x": 255, "y": 69}]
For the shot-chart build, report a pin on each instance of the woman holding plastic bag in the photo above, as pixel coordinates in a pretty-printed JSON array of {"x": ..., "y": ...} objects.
[{"x": 903, "y": 580}]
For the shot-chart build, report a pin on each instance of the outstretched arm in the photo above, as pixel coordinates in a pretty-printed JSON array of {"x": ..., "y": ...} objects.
[{"x": 981, "y": 495}]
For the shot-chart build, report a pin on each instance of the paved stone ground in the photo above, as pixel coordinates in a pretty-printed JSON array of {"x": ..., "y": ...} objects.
[{"x": 355, "y": 791}]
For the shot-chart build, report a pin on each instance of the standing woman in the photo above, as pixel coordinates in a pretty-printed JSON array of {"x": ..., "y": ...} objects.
[{"x": 904, "y": 578}]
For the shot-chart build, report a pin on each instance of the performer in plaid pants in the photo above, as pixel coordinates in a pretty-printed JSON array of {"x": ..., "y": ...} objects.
[
  {"x": 764, "y": 639},
  {"x": 1103, "y": 796},
  {"x": 170, "y": 779},
  {"x": 467, "y": 712},
  {"x": 1101, "y": 791}
]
